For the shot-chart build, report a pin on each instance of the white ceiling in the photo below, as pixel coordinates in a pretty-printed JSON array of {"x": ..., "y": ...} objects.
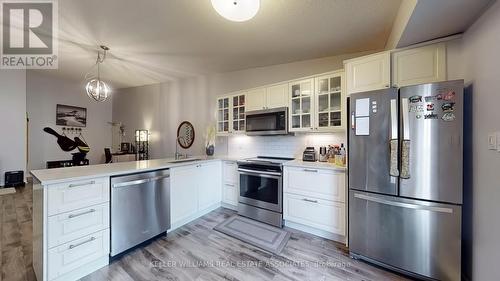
[
  {"x": 433, "y": 19},
  {"x": 153, "y": 41}
]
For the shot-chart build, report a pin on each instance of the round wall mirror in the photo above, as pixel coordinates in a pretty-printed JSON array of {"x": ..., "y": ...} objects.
[{"x": 185, "y": 134}]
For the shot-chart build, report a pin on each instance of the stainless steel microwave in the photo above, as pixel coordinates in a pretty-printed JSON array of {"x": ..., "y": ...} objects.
[{"x": 267, "y": 122}]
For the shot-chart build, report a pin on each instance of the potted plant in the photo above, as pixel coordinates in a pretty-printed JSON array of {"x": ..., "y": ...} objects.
[{"x": 210, "y": 140}]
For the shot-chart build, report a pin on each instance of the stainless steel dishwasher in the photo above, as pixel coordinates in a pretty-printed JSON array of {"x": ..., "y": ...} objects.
[{"x": 140, "y": 208}]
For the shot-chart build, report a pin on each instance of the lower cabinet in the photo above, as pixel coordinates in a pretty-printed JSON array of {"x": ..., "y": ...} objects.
[
  {"x": 321, "y": 214},
  {"x": 209, "y": 191},
  {"x": 230, "y": 183},
  {"x": 71, "y": 225},
  {"x": 314, "y": 198},
  {"x": 194, "y": 189},
  {"x": 183, "y": 192},
  {"x": 77, "y": 255}
]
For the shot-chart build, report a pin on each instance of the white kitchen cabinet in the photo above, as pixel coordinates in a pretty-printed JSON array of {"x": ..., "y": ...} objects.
[
  {"x": 223, "y": 120},
  {"x": 319, "y": 183},
  {"x": 301, "y": 105},
  {"x": 209, "y": 182},
  {"x": 77, "y": 255},
  {"x": 321, "y": 214},
  {"x": 230, "y": 183},
  {"x": 194, "y": 190},
  {"x": 314, "y": 201},
  {"x": 183, "y": 192},
  {"x": 238, "y": 104},
  {"x": 74, "y": 195},
  {"x": 71, "y": 228},
  {"x": 277, "y": 96},
  {"x": 329, "y": 103},
  {"x": 266, "y": 98},
  {"x": 419, "y": 65},
  {"x": 256, "y": 99},
  {"x": 231, "y": 113},
  {"x": 368, "y": 73}
]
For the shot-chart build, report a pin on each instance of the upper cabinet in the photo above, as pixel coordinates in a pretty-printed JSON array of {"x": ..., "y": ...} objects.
[
  {"x": 231, "y": 114},
  {"x": 277, "y": 96},
  {"x": 329, "y": 102},
  {"x": 368, "y": 73},
  {"x": 317, "y": 104},
  {"x": 301, "y": 105},
  {"x": 419, "y": 65},
  {"x": 256, "y": 99},
  {"x": 267, "y": 98},
  {"x": 223, "y": 115},
  {"x": 238, "y": 113}
]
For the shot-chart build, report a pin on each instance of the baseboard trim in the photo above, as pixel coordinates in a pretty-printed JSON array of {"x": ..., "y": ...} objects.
[
  {"x": 317, "y": 232},
  {"x": 189, "y": 219},
  {"x": 229, "y": 206}
]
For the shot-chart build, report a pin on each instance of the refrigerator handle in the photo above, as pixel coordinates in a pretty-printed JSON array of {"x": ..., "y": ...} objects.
[
  {"x": 406, "y": 143},
  {"x": 394, "y": 142},
  {"x": 403, "y": 204}
]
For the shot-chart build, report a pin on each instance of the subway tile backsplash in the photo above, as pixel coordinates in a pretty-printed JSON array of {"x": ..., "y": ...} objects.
[{"x": 279, "y": 146}]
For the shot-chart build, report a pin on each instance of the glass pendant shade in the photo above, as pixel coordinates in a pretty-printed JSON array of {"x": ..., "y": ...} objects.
[
  {"x": 97, "y": 89},
  {"x": 236, "y": 10}
]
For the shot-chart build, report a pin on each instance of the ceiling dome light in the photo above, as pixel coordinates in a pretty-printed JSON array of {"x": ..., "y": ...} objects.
[
  {"x": 236, "y": 10},
  {"x": 97, "y": 89}
]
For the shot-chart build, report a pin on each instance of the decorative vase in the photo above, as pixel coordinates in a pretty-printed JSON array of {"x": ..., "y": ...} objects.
[{"x": 210, "y": 150}]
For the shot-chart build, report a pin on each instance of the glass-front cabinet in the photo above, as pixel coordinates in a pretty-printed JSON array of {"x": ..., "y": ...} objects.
[
  {"x": 231, "y": 114},
  {"x": 223, "y": 115},
  {"x": 329, "y": 102},
  {"x": 301, "y": 105},
  {"x": 238, "y": 110}
]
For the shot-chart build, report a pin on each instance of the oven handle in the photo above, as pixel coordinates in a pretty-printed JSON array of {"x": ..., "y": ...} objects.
[{"x": 253, "y": 172}]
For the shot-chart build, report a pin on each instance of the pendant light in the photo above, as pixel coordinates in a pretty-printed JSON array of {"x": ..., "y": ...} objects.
[
  {"x": 97, "y": 89},
  {"x": 236, "y": 10}
]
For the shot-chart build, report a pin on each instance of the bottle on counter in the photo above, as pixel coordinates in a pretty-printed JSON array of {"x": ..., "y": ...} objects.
[{"x": 340, "y": 157}]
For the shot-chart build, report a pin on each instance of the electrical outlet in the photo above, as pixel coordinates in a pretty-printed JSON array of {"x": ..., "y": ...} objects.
[{"x": 492, "y": 141}]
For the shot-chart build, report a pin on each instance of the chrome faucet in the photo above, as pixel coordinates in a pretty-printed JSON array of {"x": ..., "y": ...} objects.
[{"x": 177, "y": 154}]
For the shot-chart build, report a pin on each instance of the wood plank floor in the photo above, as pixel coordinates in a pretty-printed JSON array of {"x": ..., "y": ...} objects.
[
  {"x": 15, "y": 235},
  {"x": 192, "y": 252}
]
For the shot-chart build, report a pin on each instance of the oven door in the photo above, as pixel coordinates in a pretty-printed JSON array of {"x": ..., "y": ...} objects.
[
  {"x": 267, "y": 122},
  {"x": 261, "y": 189}
]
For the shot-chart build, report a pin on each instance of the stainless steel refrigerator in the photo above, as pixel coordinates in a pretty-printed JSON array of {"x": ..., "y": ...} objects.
[{"x": 405, "y": 178}]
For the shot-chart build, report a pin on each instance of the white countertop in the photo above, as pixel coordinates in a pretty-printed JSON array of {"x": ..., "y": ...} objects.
[
  {"x": 59, "y": 175},
  {"x": 52, "y": 176},
  {"x": 318, "y": 165}
]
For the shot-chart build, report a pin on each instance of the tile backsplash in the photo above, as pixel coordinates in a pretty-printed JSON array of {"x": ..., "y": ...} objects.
[{"x": 279, "y": 146}]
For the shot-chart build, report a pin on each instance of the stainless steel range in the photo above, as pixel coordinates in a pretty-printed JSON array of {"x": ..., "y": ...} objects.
[{"x": 261, "y": 189}]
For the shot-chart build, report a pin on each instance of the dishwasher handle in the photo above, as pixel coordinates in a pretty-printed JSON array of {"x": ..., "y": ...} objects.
[{"x": 141, "y": 181}]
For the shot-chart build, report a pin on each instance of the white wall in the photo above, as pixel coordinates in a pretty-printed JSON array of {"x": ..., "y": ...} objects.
[
  {"x": 44, "y": 92},
  {"x": 160, "y": 108},
  {"x": 139, "y": 108},
  {"x": 476, "y": 57},
  {"x": 12, "y": 121}
]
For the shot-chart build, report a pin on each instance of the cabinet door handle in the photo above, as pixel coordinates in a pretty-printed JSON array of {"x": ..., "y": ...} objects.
[
  {"x": 230, "y": 184},
  {"x": 81, "y": 214},
  {"x": 81, "y": 184},
  {"x": 72, "y": 246},
  {"x": 310, "y": 170},
  {"x": 309, "y": 200}
]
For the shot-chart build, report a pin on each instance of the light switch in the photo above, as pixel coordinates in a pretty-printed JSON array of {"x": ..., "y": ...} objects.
[{"x": 492, "y": 141}]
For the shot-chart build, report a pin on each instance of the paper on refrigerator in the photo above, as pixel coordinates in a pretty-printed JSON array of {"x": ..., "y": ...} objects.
[{"x": 362, "y": 115}]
